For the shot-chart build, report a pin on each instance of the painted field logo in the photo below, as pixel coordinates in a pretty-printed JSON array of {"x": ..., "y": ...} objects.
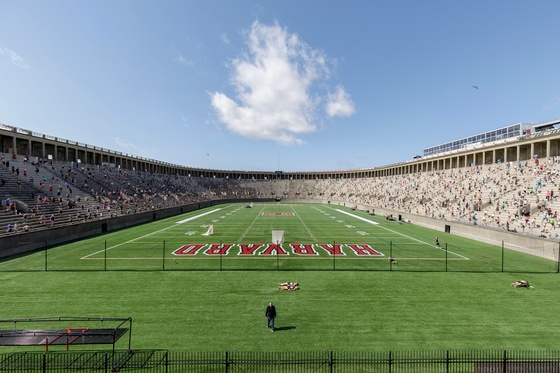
[
  {"x": 268, "y": 213},
  {"x": 272, "y": 249}
]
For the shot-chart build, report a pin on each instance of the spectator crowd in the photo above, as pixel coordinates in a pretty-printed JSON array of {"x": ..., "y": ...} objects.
[{"x": 521, "y": 197}]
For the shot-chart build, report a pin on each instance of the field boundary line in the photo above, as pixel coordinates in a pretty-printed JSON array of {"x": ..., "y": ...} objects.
[
  {"x": 197, "y": 216},
  {"x": 358, "y": 217},
  {"x": 400, "y": 234},
  {"x": 152, "y": 233}
]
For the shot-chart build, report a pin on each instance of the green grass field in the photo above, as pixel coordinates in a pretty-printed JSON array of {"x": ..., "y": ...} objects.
[{"x": 433, "y": 298}]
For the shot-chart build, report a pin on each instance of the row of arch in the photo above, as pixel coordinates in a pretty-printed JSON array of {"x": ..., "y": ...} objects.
[{"x": 45, "y": 148}]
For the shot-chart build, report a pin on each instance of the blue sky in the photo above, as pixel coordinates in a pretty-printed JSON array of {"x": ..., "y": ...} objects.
[{"x": 264, "y": 85}]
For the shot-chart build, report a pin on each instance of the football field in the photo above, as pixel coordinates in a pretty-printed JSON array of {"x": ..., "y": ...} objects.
[
  {"x": 310, "y": 237},
  {"x": 201, "y": 282}
]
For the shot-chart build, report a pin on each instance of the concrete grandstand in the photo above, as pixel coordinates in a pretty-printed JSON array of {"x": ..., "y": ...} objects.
[{"x": 505, "y": 190}]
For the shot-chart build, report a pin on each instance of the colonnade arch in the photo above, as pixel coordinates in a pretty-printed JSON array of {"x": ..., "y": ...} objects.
[{"x": 46, "y": 148}]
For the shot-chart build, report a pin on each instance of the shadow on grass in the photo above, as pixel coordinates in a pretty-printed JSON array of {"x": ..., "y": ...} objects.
[{"x": 283, "y": 328}]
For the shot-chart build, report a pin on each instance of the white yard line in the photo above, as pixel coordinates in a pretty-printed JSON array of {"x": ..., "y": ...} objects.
[
  {"x": 305, "y": 226},
  {"x": 251, "y": 225},
  {"x": 400, "y": 234},
  {"x": 149, "y": 234}
]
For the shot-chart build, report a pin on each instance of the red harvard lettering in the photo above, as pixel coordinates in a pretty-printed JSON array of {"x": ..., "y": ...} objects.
[
  {"x": 273, "y": 249},
  {"x": 248, "y": 248},
  {"x": 303, "y": 249},
  {"x": 217, "y": 249},
  {"x": 363, "y": 250},
  {"x": 191, "y": 249},
  {"x": 334, "y": 249}
]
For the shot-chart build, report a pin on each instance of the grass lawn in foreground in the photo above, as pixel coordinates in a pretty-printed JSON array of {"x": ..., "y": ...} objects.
[
  {"x": 200, "y": 311},
  {"x": 364, "y": 305}
]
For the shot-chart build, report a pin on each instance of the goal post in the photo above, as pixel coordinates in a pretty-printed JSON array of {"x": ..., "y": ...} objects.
[
  {"x": 210, "y": 231},
  {"x": 278, "y": 237}
]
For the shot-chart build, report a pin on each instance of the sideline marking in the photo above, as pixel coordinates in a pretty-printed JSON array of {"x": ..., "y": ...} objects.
[
  {"x": 149, "y": 234},
  {"x": 196, "y": 216},
  {"x": 401, "y": 234},
  {"x": 357, "y": 217}
]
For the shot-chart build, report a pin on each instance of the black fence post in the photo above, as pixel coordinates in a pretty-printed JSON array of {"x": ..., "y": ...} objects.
[
  {"x": 163, "y": 257},
  {"x": 46, "y": 260},
  {"x": 502, "y": 256},
  {"x": 558, "y": 264},
  {"x": 334, "y": 256},
  {"x": 450, "y": 361},
  {"x": 390, "y": 255},
  {"x": 227, "y": 361},
  {"x": 446, "y": 257}
]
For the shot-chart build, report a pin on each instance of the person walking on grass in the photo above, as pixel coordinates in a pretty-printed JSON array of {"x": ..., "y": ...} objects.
[{"x": 270, "y": 314}]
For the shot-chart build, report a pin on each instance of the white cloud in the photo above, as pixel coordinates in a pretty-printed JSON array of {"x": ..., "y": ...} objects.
[
  {"x": 225, "y": 38},
  {"x": 123, "y": 143},
  {"x": 552, "y": 104},
  {"x": 273, "y": 83},
  {"x": 15, "y": 58},
  {"x": 340, "y": 104},
  {"x": 182, "y": 60}
]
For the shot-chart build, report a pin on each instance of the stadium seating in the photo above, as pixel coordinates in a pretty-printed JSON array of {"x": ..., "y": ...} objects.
[{"x": 493, "y": 195}]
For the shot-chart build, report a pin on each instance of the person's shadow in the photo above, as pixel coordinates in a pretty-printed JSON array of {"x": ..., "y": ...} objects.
[{"x": 282, "y": 328}]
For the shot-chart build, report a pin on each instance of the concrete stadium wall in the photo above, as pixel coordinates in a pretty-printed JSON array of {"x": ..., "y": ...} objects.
[{"x": 21, "y": 243}]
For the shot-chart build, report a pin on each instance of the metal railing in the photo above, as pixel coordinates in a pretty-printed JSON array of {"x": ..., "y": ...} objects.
[{"x": 504, "y": 361}]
